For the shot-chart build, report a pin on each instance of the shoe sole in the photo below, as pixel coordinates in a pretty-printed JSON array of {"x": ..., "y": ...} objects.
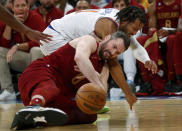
[{"x": 50, "y": 116}]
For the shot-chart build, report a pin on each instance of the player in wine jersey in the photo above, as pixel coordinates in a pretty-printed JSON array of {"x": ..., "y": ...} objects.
[{"x": 53, "y": 81}]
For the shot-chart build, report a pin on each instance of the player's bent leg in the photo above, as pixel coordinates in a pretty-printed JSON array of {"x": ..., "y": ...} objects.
[{"x": 37, "y": 116}]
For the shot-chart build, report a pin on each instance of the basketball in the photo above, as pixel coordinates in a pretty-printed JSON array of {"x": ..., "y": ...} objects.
[{"x": 90, "y": 98}]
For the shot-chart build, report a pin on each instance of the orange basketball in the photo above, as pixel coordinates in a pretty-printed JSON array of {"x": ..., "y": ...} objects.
[{"x": 90, "y": 98}]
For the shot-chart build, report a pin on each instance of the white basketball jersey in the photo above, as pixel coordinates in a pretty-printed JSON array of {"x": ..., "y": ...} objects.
[{"x": 74, "y": 25}]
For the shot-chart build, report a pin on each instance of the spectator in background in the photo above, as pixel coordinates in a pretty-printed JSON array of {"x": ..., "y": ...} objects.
[
  {"x": 119, "y": 4},
  {"x": 131, "y": 2},
  {"x": 83, "y": 5},
  {"x": 17, "y": 51},
  {"x": 48, "y": 11},
  {"x": 163, "y": 19}
]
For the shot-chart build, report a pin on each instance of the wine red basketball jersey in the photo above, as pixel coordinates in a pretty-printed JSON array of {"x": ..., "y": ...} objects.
[{"x": 167, "y": 15}]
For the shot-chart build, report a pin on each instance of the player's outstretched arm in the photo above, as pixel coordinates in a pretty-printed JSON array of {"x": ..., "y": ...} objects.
[
  {"x": 7, "y": 18},
  {"x": 141, "y": 54},
  {"x": 118, "y": 76}
]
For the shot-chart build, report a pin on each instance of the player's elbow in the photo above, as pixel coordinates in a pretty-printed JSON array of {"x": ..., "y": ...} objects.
[{"x": 78, "y": 59}]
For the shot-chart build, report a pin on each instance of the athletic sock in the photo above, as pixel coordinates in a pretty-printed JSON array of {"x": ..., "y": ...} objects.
[{"x": 36, "y": 101}]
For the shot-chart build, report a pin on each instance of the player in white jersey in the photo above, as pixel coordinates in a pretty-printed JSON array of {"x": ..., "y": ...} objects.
[
  {"x": 101, "y": 23},
  {"x": 73, "y": 26}
]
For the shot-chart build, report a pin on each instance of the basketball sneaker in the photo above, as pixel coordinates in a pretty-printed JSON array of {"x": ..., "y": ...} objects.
[
  {"x": 105, "y": 109},
  {"x": 172, "y": 87},
  {"x": 37, "y": 116}
]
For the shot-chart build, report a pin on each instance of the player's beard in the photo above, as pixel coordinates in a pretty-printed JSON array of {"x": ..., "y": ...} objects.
[{"x": 102, "y": 50}]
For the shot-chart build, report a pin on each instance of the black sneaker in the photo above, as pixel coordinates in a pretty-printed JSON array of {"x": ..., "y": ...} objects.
[
  {"x": 179, "y": 80},
  {"x": 145, "y": 89},
  {"x": 172, "y": 87},
  {"x": 37, "y": 116}
]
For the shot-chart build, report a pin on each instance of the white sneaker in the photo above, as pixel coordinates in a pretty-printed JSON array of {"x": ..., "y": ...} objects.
[{"x": 5, "y": 95}]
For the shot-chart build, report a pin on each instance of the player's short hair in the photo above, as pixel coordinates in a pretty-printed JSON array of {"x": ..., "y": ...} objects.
[
  {"x": 14, "y": 1},
  {"x": 131, "y": 13},
  {"x": 122, "y": 35},
  {"x": 88, "y": 1}
]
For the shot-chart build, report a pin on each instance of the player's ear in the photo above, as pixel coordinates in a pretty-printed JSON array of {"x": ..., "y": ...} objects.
[
  {"x": 122, "y": 24},
  {"x": 107, "y": 37}
]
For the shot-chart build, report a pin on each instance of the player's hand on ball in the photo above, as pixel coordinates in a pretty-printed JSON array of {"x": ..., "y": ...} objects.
[{"x": 131, "y": 99}]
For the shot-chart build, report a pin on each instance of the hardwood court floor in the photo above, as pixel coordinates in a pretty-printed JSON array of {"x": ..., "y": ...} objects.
[{"x": 147, "y": 115}]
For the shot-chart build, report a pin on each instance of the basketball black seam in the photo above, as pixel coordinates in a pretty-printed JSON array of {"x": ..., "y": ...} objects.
[
  {"x": 83, "y": 107},
  {"x": 89, "y": 101}
]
